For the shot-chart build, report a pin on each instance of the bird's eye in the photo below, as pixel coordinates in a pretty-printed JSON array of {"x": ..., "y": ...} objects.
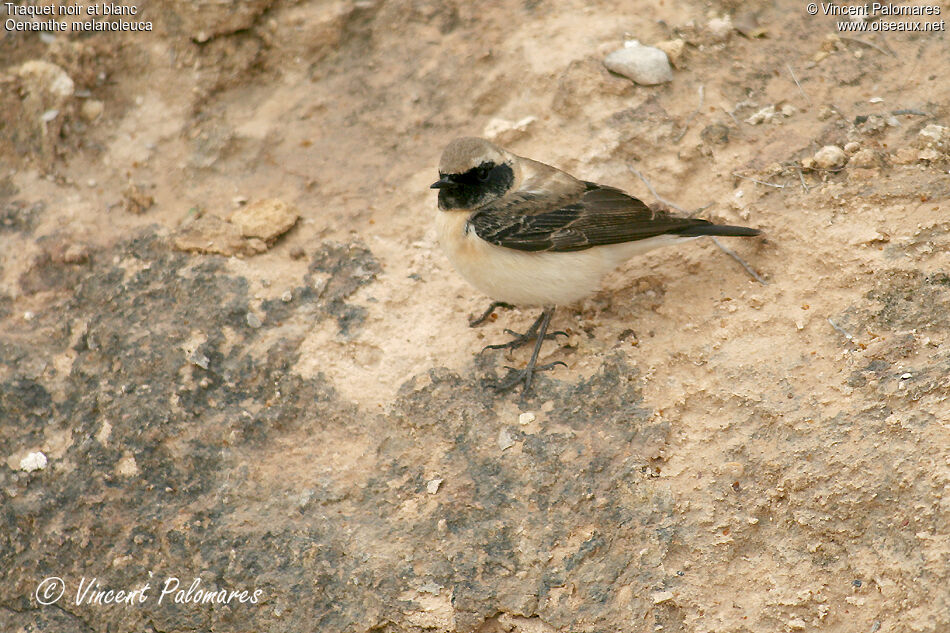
[{"x": 483, "y": 173}]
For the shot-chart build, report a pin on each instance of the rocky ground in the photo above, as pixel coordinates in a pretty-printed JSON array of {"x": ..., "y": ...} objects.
[{"x": 231, "y": 350}]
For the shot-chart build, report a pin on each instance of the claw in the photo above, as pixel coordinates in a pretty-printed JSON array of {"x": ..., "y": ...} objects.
[
  {"x": 475, "y": 322},
  {"x": 516, "y": 376}
]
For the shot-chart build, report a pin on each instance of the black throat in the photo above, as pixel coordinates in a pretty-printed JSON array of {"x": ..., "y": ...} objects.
[{"x": 476, "y": 186}]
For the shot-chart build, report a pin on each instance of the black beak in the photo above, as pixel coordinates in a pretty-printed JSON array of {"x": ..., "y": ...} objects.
[{"x": 444, "y": 181}]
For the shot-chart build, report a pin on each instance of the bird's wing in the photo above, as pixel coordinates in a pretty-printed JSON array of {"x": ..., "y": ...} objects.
[{"x": 592, "y": 216}]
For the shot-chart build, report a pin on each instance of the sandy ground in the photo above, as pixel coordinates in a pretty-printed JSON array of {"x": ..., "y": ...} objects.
[{"x": 806, "y": 459}]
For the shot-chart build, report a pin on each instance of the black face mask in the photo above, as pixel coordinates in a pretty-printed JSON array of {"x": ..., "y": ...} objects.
[{"x": 473, "y": 188}]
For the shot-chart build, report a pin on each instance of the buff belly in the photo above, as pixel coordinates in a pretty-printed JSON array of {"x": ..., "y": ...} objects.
[{"x": 533, "y": 278}]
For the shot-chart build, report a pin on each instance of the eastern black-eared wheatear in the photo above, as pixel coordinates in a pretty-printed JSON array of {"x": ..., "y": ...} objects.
[{"x": 528, "y": 234}]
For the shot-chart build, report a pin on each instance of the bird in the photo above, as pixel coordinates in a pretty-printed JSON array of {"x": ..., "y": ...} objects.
[{"x": 531, "y": 235}]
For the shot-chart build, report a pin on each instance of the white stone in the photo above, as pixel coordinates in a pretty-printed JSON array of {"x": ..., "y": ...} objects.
[
  {"x": 830, "y": 157},
  {"x": 643, "y": 64},
  {"x": 33, "y": 461}
]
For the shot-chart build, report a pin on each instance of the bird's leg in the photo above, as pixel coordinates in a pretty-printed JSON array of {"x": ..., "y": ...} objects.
[
  {"x": 487, "y": 313},
  {"x": 525, "y": 375},
  {"x": 523, "y": 339}
]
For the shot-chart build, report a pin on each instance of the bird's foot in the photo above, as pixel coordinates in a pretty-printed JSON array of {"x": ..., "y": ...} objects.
[
  {"x": 521, "y": 340},
  {"x": 473, "y": 322},
  {"x": 522, "y": 376}
]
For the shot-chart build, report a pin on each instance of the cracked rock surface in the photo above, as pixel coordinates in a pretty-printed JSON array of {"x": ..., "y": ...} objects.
[{"x": 290, "y": 429}]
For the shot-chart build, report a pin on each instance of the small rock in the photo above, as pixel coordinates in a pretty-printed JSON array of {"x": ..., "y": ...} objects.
[
  {"x": 253, "y": 320},
  {"x": 526, "y": 418},
  {"x": 662, "y": 596},
  {"x": 432, "y": 486},
  {"x": 42, "y": 76},
  {"x": 265, "y": 219},
  {"x": 720, "y": 28},
  {"x": 797, "y": 624},
  {"x": 211, "y": 234},
  {"x": 127, "y": 467},
  {"x": 825, "y": 113},
  {"x": 928, "y": 154},
  {"x": 808, "y": 162},
  {"x": 830, "y": 157},
  {"x": 91, "y": 110},
  {"x": 852, "y": 147},
  {"x": 643, "y": 64},
  {"x": 33, "y": 461},
  {"x": 287, "y": 297},
  {"x": 505, "y": 441},
  {"x": 674, "y": 49},
  {"x": 875, "y": 100},
  {"x": 934, "y": 133},
  {"x": 788, "y": 110},
  {"x": 766, "y": 114},
  {"x": 864, "y": 158}
]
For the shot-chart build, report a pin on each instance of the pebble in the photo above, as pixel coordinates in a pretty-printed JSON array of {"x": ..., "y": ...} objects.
[
  {"x": 526, "y": 418},
  {"x": 934, "y": 135},
  {"x": 767, "y": 113},
  {"x": 643, "y": 64},
  {"x": 432, "y": 486},
  {"x": 33, "y": 461},
  {"x": 265, "y": 219},
  {"x": 875, "y": 100},
  {"x": 674, "y": 49},
  {"x": 864, "y": 158},
  {"x": 127, "y": 467},
  {"x": 852, "y": 147},
  {"x": 211, "y": 234},
  {"x": 662, "y": 596},
  {"x": 287, "y": 297},
  {"x": 253, "y": 320},
  {"x": 830, "y": 157},
  {"x": 42, "y": 76},
  {"x": 505, "y": 441},
  {"x": 91, "y": 110}
]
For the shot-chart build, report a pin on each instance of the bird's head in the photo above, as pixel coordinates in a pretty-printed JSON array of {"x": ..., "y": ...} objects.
[{"x": 472, "y": 173}]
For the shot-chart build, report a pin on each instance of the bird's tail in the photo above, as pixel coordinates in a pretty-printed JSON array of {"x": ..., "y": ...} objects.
[{"x": 718, "y": 229}]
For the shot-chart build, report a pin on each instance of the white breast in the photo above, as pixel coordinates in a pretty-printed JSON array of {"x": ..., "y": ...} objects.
[{"x": 532, "y": 279}]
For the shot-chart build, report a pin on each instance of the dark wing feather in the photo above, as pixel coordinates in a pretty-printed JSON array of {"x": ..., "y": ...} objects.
[{"x": 594, "y": 216}]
